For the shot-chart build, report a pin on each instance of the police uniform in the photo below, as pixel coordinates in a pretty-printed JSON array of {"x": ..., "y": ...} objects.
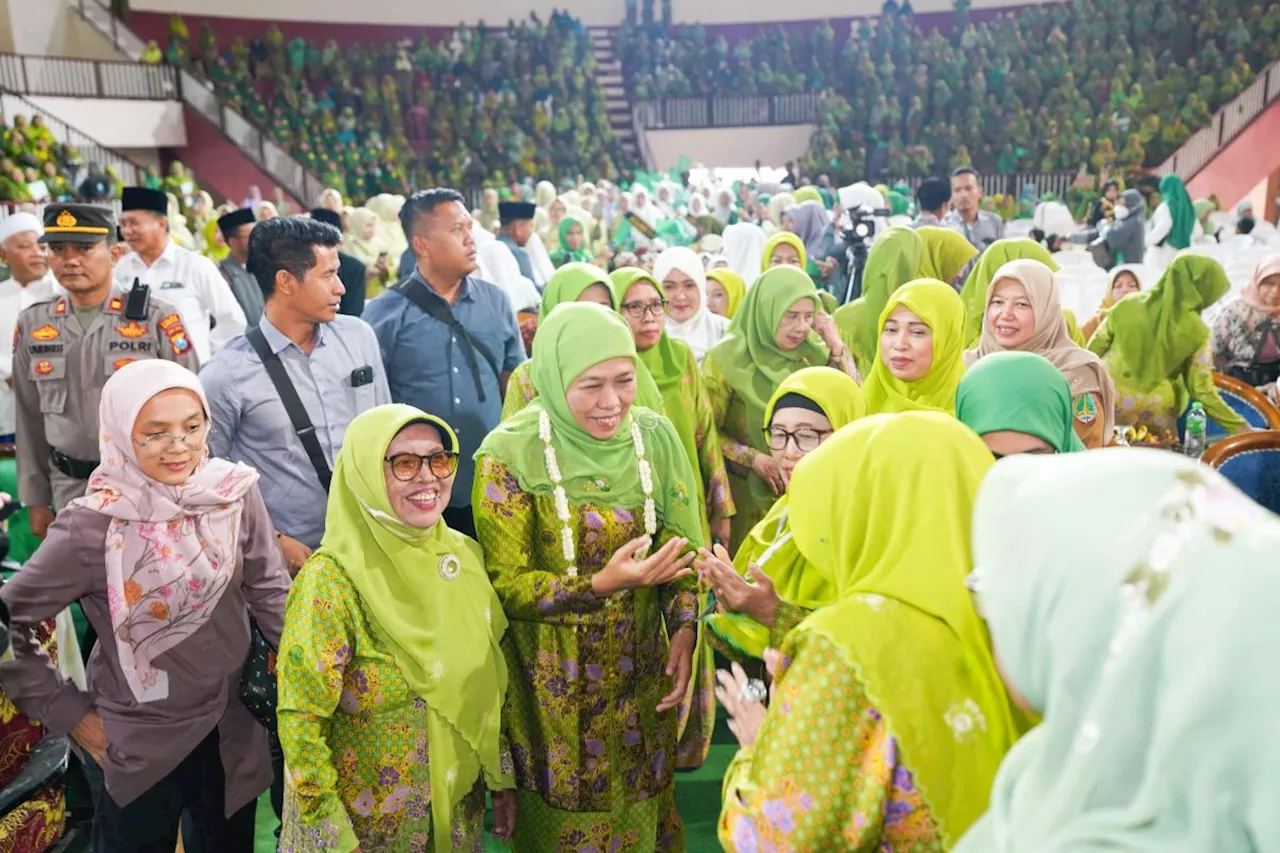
[{"x": 59, "y": 368}]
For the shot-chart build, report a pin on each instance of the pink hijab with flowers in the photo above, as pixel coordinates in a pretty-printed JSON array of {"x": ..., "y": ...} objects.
[
  {"x": 1267, "y": 267},
  {"x": 170, "y": 550}
]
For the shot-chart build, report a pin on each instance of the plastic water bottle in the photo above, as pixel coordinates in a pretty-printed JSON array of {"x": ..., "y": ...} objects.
[{"x": 1194, "y": 442}]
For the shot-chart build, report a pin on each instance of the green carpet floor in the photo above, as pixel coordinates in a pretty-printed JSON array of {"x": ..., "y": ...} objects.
[{"x": 697, "y": 796}]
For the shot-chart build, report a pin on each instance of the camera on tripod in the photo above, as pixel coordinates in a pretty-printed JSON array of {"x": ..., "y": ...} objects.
[{"x": 860, "y": 227}]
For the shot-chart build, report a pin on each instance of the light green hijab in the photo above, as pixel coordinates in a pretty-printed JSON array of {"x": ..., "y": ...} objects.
[
  {"x": 1147, "y": 645},
  {"x": 894, "y": 260},
  {"x": 443, "y": 633},
  {"x": 940, "y": 308},
  {"x": 896, "y": 549},
  {"x": 1019, "y": 392},
  {"x": 1156, "y": 331},
  {"x": 574, "y": 338},
  {"x": 769, "y": 544},
  {"x": 980, "y": 277}
]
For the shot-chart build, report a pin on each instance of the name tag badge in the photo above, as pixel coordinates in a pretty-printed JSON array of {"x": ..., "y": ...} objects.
[{"x": 172, "y": 285}]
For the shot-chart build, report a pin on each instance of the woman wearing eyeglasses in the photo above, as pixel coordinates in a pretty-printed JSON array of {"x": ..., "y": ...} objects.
[
  {"x": 169, "y": 552},
  {"x": 779, "y": 329},
  {"x": 390, "y": 675},
  {"x": 783, "y": 588},
  {"x": 675, "y": 371}
]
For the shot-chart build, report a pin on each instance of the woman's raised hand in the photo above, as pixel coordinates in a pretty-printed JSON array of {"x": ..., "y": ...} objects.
[{"x": 629, "y": 568}]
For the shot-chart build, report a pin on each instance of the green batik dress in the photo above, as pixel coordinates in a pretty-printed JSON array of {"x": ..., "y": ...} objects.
[
  {"x": 593, "y": 759},
  {"x": 354, "y": 736}
]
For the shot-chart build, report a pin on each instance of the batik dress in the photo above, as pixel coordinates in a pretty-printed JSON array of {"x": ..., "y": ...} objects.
[{"x": 594, "y": 760}]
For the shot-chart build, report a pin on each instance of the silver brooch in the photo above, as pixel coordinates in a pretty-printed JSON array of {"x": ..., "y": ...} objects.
[{"x": 450, "y": 566}]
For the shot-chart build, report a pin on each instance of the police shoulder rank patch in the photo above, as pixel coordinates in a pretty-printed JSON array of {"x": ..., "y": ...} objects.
[
  {"x": 115, "y": 305},
  {"x": 60, "y": 307},
  {"x": 1086, "y": 410},
  {"x": 175, "y": 332}
]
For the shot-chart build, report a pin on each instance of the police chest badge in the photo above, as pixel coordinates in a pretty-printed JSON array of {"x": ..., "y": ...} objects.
[
  {"x": 45, "y": 333},
  {"x": 132, "y": 330},
  {"x": 1086, "y": 411}
]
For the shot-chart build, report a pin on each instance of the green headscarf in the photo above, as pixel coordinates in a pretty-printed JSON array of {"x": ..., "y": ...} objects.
[
  {"x": 792, "y": 240},
  {"x": 1019, "y": 392},
  {"x": 749, "y": 356},
  {"x": 940, "y": 308},
  {"x": 572, "y": 339},
  {"x": 894, "y": 260},
  {"x": 1173, "y": 193},
  {"x": 1158, "y": 330},
  {"x": 946, "y": 252},
  {"x": 582, "y": 254},
  {"x": 769, "y": 544},
  {"x": 443, "y": 633},
  {"x": 567, "y": 285},
  {"x": 807, "y": 194},
  {"x": 978, "y": 283},
  {"x": 734, "y": 288},
  {"x": 896, "y": 549},
  {"x": 899, "y": 204}
]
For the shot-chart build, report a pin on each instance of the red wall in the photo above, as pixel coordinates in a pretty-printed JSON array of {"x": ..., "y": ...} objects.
[
  {"x": 219, "y": 163},
  {"x": 1244, "y": 163}
]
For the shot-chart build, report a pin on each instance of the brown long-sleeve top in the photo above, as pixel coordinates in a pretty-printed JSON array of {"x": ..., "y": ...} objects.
[{"x": 145, "y": 742}]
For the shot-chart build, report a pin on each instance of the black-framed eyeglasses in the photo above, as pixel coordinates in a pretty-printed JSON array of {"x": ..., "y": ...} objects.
[
  {"x": 637, "y": 310},
  {"x": 405, "y": 466},
  {"x": 805, "y": 439}
]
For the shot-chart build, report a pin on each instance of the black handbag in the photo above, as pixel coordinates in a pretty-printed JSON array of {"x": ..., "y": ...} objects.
[{"x": 258, "y": 679}]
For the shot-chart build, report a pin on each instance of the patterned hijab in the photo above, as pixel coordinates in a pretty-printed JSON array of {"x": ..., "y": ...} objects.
[
  {"x": 940, "y": 308},
  {"x": 1146, "y": 645},
  {"x": 170, "y": 551},
  {"x": 1085, "y": 372}
]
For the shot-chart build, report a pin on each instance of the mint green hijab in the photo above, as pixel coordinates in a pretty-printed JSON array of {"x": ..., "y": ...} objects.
[
  {"x": 1173, "y": 193},
  {"x": 1145, "y": 637},
  {"x": 1018, "y": 392},
  {"x": 572, "y": 339}
]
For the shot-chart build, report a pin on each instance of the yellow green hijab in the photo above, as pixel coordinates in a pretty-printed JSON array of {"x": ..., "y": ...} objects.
[
  {"x": 443, "y": 633},
  {"x": 1156, "y": 331},
  {"x": 941, "y": 309},
  {"x": 769, "y": 545},
  {"x": 792, "y": 240},
  {"x": 572, "y": 339},
  {"x": 896, "y": 548},
  {"x": 978, "y": 283},
  {"x": 735, "y": 289},
  {"x": 808, "y": 194},
  {"x": 894, "y": 260},
  {"x": 946, "y": 252}
]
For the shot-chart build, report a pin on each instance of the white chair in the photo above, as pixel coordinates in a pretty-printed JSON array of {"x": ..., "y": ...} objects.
[
  {"x": 1074, "y": 259},
  {"x": 1018, "y": 228}
]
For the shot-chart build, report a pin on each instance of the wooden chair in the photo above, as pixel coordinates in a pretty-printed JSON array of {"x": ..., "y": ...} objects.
[
  {"x": 1251, "y": 461},
  {"x": 1247, "y": 401}
]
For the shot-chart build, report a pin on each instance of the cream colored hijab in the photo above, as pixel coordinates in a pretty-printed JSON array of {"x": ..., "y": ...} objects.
[{"x": 1084, "y": 371}]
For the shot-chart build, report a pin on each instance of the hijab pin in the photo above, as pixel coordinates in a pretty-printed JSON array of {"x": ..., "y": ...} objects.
[{"x": 450, "y": 566}]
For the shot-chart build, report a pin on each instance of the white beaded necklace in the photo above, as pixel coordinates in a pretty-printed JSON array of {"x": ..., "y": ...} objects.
[{"x": 562, "y": 500}]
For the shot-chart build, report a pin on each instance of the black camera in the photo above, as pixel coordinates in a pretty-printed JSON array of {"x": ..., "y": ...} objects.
[{"x": 860, "y": 229}]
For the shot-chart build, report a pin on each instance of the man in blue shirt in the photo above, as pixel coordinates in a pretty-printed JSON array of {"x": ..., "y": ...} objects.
[
  {"x": 331, "y": 359},
  {"x": 449, "y": 340}
]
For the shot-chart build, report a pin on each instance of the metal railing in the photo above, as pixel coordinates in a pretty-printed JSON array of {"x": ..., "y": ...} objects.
[
  {"x": 87, "y": 78},
  {"x": 728, "y": 111},
  {"x": 129, "y": 171},
  {"x": 252, "y": 140},
  {"x": 1226, "y": 125},
  {"x": 1011, "y": 184}
]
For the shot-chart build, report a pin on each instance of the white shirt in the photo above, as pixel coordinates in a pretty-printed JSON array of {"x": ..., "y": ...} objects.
[
  {"x": 192, "y": 284},
  {"x": 14, "y": 298}
]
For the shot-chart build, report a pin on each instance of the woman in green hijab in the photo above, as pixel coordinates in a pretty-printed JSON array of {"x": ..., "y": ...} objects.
[
  {"x": 573, "y": 282},
  {"x": 851, "y": 755},
  {"x": 391, "y": 677},
  {"x": 570, "y": 495},
  {"x": 894, "y": 260},
  {"x": 1018, "y": 402},
  {"x": 1157, "y": 350},
  {"x": 946, "y": 253},
  {"x": 1144, "y": 637},
  {"x": 768, "y": 588},
  {"x": 675, "y": 371},
  {"x": 919, "y": 360},
  {"x": 575, "y": 245},
  {"x": 778, "y": 330},
  {"x": 974, "y": 292}
]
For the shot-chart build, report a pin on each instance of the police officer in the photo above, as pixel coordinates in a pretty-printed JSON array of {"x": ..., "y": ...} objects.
[{"x": 66, "y": 347}]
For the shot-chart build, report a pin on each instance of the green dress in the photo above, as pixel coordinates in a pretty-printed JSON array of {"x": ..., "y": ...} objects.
[
  {"x": 594, "y": 761},
  {"x": 357, "y": 735}
]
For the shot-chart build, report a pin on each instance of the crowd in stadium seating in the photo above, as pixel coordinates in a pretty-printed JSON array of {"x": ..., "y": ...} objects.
[
  {"x": 36, "y": 167},
  {"x": 1043, "y": 88},
  {"x": 487, "y": 104}
]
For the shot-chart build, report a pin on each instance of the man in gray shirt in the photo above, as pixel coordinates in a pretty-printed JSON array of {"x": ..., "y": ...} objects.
[
  {"x": 236, "y": 227},
  {"x": 979, "y": 227},
  {"x": 332, "y": 360}
]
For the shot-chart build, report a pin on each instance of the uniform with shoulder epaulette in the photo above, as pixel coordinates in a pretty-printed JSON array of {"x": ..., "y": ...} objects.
[{"x": 59, "y": 367}]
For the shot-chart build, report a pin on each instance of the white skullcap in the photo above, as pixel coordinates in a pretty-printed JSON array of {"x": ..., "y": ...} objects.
[{"x": 19, "y": 223}]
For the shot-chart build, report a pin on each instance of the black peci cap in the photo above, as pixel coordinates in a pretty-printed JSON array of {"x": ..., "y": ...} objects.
[
  {"x": 328, "y": 217},
  {"x": 515, "y": 211},
  {"x": 77, "y": 223},
  {"x": 229, "y": 222},
  {"x": 141, "y": 198}
]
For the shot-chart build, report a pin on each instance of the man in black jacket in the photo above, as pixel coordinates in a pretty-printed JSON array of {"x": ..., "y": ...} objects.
[{"x": 351, "y": 269}]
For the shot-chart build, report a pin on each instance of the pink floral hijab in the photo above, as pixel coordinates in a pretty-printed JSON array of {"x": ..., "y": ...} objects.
[
  {"x": 1269, "y": 266},
  {"x": 170, "y": 550}
]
